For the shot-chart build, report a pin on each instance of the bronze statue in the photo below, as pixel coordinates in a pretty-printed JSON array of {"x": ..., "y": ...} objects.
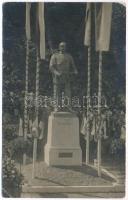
[{"x": 61, "y": 66}]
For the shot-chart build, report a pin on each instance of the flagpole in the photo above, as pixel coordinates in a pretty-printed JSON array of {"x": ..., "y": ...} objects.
[
  {"x": 36, "y": 95},
  {"x": 28, "y": 36},
  {"x": 88, "y": 104},
  {"x": 99, "y": 113},
  {"x": 40, "y": 54},
  {"x": 37, "y": 113},
  {"x": 20, "y": 134},
  {"x": 103, "y": 16},
  {"x": 88, "y": 94},
  {"x": 25, "y": 99},
  {"x": 37, "y": 80}
]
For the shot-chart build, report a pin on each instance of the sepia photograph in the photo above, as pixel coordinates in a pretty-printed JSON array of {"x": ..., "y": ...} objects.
[{"x": 63, "y": 99}]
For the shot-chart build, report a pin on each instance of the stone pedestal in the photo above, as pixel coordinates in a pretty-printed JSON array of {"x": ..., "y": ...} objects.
[{"x": 63, "y": 146}]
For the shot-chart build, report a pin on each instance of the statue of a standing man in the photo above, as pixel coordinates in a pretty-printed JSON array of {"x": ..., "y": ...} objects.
[{"x": 61, "y": 66}]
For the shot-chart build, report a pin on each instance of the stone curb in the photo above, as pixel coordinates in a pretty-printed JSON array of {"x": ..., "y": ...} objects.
[
  {"x": 106, "y": 172},
  {"x": 114, "y": 188},
  {"x": 71, "y": 189},
  {"x": 116, "y": 179}
]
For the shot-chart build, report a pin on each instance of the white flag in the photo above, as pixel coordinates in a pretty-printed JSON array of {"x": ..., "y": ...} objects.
[
  {"x": 87, "y": 35},
  {"x": 103, "y": 17},
  {"x": 41, "y": 29},
  {"x": 28, "y": 26}
]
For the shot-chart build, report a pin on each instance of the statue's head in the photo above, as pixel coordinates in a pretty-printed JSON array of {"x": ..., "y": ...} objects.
[{"x": 62, "y": 46}]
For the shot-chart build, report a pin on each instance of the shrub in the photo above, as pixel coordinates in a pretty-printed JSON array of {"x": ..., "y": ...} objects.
[
  {"x": 117, "y": 147},
  {"x": 11, "y": 178},
  {"x": 9, "y": 132},
  {"x": 19, "y": 147}
]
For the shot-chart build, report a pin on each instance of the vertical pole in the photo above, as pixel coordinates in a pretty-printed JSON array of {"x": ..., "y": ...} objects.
[
  {"x": 88, "y": 104},
  {"x": 88, "y": 94},
  {"x": 99, "y": 113},
  {"x": 25, "y": 99},
  {"x": 37, "y": 112},
  {"x": 37, "y": 81},
  {"x": 34, "y": 157}
]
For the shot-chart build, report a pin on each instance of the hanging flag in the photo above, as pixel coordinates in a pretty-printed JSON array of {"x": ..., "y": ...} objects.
[
  {"x": 87, "y": 35},
  {"x": 28, "y": 26},
  {"x": 103, "y": 18},
  {"x": 41, "y": 29},
  {"x": 40, "y": 26}
]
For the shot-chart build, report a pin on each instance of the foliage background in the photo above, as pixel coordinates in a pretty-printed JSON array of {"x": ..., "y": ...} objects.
[{"x": 64, "y": 21}]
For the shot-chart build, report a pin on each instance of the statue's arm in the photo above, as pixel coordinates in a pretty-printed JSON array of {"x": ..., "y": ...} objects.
[{"x": 52, "y": 65}]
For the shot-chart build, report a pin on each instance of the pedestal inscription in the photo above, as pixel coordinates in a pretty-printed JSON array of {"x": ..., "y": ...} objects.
[{"x": 63, "y": 147}]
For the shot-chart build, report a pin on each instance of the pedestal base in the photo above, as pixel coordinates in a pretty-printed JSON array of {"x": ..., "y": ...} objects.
[{"x": 63, "y": 147}]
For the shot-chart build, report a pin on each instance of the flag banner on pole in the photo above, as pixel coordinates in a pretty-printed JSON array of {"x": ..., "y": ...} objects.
[
  {"x": 41, "y": 29},
  {"x": 87, "y": 35},
  {"x": 28, "y": 26},
  {"x": 103, "y": 18}
]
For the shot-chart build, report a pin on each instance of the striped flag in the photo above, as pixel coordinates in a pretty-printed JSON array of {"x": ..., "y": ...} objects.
[
  {"x": 103, "y": 18},
  {"x": 40, "y": 24},
  {"x": 87, "y": 35},
  {"x": 41, "y": 29},
  {"x": 28, "y": 26}
]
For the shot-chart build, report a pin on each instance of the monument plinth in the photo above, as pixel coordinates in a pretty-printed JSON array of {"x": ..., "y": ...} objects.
[{"x": 63, "y": 146}]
